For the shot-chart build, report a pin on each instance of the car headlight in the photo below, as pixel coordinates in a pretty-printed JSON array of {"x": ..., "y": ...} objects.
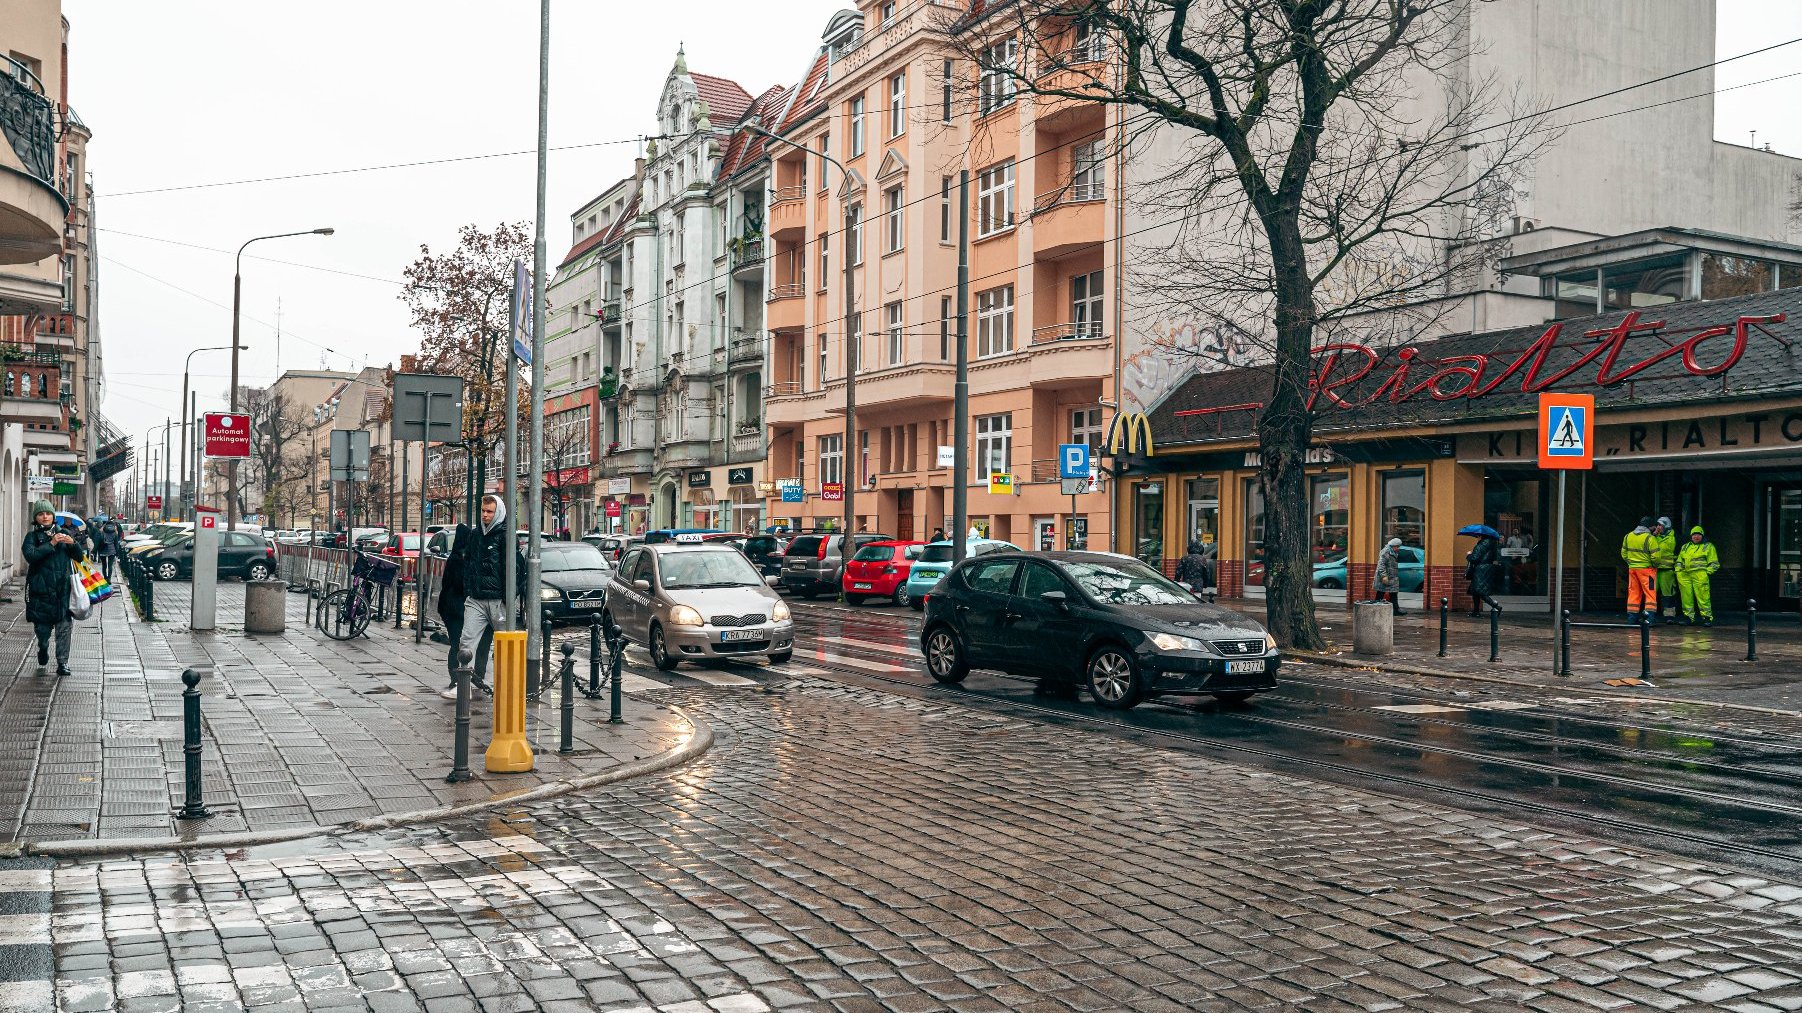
[
  {"x": 780, "y": 613},
  {"x": 1172, "y": 642},
  {"x": 549, "y": 594},
  {"x": 685, "y": 615},
  {"x": 1269, "y": 643}
]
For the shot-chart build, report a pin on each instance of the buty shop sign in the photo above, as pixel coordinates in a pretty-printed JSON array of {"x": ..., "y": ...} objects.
[{"x": 1605, "y": 362}]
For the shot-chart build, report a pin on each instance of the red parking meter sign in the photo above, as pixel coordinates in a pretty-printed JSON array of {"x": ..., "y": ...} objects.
[
  {"x": 613, "y": 508},
  {"x": 227, "y": 435},
  {"x": 208, "y": 522},
  {"x": 1567, "y": 432},
  {"x": 153, "y": 502}
]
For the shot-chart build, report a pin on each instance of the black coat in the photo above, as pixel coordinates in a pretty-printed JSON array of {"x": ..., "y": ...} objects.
[
  {"x": 450, "y": 590},
  {"x": 106, "y": 539},
  {"x": 47, "y": 586},
  {"x": 484, "y": 568},
  {"x": 1482, "y": 562}
]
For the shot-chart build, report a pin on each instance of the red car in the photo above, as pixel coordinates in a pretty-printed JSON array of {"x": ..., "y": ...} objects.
[
  {"x": 879, "y": 570},
  {"x": 404, "y": 545}
]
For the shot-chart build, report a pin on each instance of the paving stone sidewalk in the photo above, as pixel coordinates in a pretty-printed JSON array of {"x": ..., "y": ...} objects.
[{"x": 299, "y": 729}]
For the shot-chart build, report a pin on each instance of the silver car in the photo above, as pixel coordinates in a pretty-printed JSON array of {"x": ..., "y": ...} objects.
[{"x": 687, "y": 600}]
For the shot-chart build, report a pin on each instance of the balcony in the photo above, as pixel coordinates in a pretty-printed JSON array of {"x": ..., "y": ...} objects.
[
  {"x": 32, "y": 208},
  {"x": 1078, "y": 331},
  {"x": 1069, "y": 355},
  {"x": 747, "y": 259},
  {"x": 1073, "y": 72},
  {"x": 788, "y": 212},
  {"x": 786, "y": 403},
  {"x": 905, "y": 386},
  {"x": 746, "y": 350},
  {"x": 786, "y": 310},
  {"x": 1063, "y": 225},
  {"x": 625, "y": 462},
  {"x": 611, "y": 314}
]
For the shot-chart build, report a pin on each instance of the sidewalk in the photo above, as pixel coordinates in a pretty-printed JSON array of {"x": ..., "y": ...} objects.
[
  {"x": 299, "y": 730},
  {"x": 1688, "y": 663}
]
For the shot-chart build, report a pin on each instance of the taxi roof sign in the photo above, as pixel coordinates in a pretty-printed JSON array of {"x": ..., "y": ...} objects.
[
  {"x": 1567, "y": 432},
  {"x": 688, "y": 538}
]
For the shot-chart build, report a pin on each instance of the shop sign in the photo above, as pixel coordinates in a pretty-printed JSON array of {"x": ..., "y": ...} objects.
[
  {"x": 831, "y": 492},
  {"x": 700, "y": 479},
  {"x": 566, "y": 477},
  {"x": 635, "y": 499},
  {"x": 1001, "y": 483},
  {"x": 619, "y": 486},
  {"x": 793, "y": 492},
  {"x": 1725, "y": 434},
  {"x": 738, "y": 476},
  {"x": 1314, "y": 455},
  {"x": 39, "y": 485},
  {"x": 1341, "y": 366},
  {"x": 947, "y": 456}
]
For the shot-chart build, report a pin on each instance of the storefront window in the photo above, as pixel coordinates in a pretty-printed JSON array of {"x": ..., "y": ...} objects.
[
  {"x": 1204, "y": 516},
  {"x": 1725, "y": 277},
  {"x": 1329, "y": 495},
  {"x": 1514, "y": 507},
  {"x": 1148, "y": 522},
  {"x": 1254, "y": 533},
  {"x": 1405, "y": 507}
]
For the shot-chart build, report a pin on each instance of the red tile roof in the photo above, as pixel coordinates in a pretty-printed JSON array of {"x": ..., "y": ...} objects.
[
  {"x": 746, "y": 147},
  {"x": 805, "y": 101},
  {"x": 726, "y": 101},
  {"x": 602, "y": 237}
]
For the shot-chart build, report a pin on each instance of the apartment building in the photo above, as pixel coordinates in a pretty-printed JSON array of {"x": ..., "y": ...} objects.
[{"x": 900, "y": 119}]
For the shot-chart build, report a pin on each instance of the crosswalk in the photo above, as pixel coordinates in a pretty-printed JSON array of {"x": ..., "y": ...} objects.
[
  {"x": 26, "y": 961},
  {"x": 639, "y": 677}
]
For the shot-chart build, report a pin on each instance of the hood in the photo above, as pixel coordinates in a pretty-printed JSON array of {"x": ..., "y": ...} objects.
[
  {"x": 1208, "y": 622},
  {"x": 500, "y": 516},
  {"x": 1697, "y": 530},
  {"x": 1642, "y": 530},
  {"x": 715, "y": 601},
  {"x": 564, "y": 580}
]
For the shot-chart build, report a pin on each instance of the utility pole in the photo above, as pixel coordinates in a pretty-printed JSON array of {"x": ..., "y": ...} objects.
[
  {"x": 535, "y": 496},
  {"x": 960, "y": 397},
  {"x": 851, "y": 474}
]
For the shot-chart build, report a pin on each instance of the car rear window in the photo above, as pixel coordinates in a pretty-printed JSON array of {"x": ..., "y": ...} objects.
[
  {"x": 806, "y": 545},
  {"x": 937, "y": 554},
  {"x": 875, "y": 553},
  {"x": 762, "y": 543}
]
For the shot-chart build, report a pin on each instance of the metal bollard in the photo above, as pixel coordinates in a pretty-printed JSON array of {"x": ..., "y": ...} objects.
[
  {"x": 1495, "y": 634},
  {"x": 400, "y": 597},
  {"x": 509, "y": 752},
  {"x": 1564, "y": 642},
  {"x": 1645, "y": 650},
  {"x": 616, "y": 657},
  {"x": 544, "y": 652},
  {"x": 1751, "y": 629},
  {"x": 460, "y": 743},
  {"x": 1445, "y": 610},
  {"x": 192, "y": 807},
  {"x": 594, "y": 657},
  {"x": 569, "y": 699}
]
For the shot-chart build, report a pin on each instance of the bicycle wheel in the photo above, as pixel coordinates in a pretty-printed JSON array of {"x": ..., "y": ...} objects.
[{"x": 345, "y": 615}]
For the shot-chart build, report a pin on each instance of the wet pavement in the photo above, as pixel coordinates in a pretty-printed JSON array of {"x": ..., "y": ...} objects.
[{"x": 859, "y": 838}]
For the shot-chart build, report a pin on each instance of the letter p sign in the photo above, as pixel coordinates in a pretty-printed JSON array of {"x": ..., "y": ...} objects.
[{"x": 1073, "y": 460}]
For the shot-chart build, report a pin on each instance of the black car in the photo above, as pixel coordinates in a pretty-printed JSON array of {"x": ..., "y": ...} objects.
[
  {"x": 765, "y": 553},
  {"x": 1092, "y": 618},
  {"x": 241, "y": 554},
  {"x": 575, "y": 576}
]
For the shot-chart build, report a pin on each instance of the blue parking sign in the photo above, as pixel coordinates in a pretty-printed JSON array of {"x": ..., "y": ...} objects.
[{"x": 1073, "y": 460}]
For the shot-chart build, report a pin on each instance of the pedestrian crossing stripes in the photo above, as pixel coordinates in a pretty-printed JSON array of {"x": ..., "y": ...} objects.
[
  {"x": 848, "y": 652},
  {"x": 867, "y": 645},
  {"x": 26, "y": 959}
]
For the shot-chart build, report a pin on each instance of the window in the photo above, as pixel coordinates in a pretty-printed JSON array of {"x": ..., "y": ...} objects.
[
  {"x": 832, "y": 459},
  {"x": 1089, "y": 181},
  {"x": 946, "y": 77},
  {"x": 994, "y": 443},
  {"x": 863, "y": 457},
  {"x": 825, "y": 251},
  {"x": 995, "y": 199},
  {"x": 1085, "y": 46},
  {"x": 822, "y": 361},
  {"x": 1204, "y": 517},
  {"x": 1722, "y": 277},
  {"x": 993, "y": 577},
  {"x": 1085, "y": 427},
  {"x": 1038, "y": 579},
  {"x": 892, "y": 205},
  {"x": 1148, "y": 523},
  {"x": 897, "y": 105},
  {"x": 825, "y": 146},
  {"x": 855, "y": 215},
  {"x": 888, "y": 13},
  {"x": 69, "y": 283},
  {"x": 1254, "y": 533},
  {"x": 857, "y": 126},
  {"x": 944, "y": 209},
  {"x": 1405, "y": 509},
  {"x": 1085, "y": 305},
  {"x": 995, "y": 321},
  {"x": 893, "y": 312},
  {"x": 1329, "y": 500},
  {"x": 854, "y": 343},
  {"x": 997, "y": 85},
  {"x": 945, "y": 328}
]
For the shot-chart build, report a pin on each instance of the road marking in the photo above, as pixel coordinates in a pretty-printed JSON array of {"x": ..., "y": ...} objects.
[
  {"x": 869, "y": 666},
  {"x": 720, "y": 678},
  {"x": 26, "y": 928},
  {"x": 24, "y": 880},
  {"x": 870, "y": 645},
  {"x": 629, "y": 683},
  {"x": 25, "y": 995},
  {"x": 1502, "y": 705},
  {"x": 1421, "y": 708}
]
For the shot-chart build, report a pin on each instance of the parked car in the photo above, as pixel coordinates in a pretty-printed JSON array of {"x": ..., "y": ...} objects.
[
  {"x": 575, "y": 578},
  {"x": 372, "y": 541},
  {"x": 241, "y": 554},
  {"x": 1092, "y": 618},
  {"x": 814, "y": 563},
  {"x": 765, "y": 553},
  {"x": 404, "y": 545},
  {"x": 1330, "y": 575},
  {"x": 612, "y": 546},
  {"x": 879, "y": 570},
  {"x": 686, "y": 600},
  {"x": 662, "y": 535},
  {"x": 161, "y": 535},
  {"x": 935, "y": 562}
]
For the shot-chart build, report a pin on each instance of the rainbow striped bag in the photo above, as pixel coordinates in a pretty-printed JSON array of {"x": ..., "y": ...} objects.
[{"x": 97, "y": 586}]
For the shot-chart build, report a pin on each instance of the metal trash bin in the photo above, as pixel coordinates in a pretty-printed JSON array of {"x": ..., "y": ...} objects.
[
  {"x": 1373, "y": 628},
  {"x": 265, "y": 606}
]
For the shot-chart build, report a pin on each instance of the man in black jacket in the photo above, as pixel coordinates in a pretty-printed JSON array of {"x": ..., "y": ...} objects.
[
  {"x": 485, "y": 578},
  {"x": 50, "y": 555},
  {"x": 451, "y": 601},
  {"x": 107, "y": 536}
]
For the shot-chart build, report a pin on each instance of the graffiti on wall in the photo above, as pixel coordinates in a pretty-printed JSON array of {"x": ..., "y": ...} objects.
[{"x": 1173, "y": 349}]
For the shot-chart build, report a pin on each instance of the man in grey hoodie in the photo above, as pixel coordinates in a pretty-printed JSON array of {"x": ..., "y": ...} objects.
[{"x": 484, "y": 571}]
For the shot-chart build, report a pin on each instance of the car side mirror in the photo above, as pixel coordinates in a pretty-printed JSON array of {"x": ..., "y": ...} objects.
[
  {"x": 1057, "y": 598},
  {"x": 642, "y": 584}
]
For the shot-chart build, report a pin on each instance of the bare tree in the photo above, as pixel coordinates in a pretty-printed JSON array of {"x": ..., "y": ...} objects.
[
  {"x": 562, "y": 445},
  {"x": 275, "y": 459},
  {"x": 1318, "y": 170}
]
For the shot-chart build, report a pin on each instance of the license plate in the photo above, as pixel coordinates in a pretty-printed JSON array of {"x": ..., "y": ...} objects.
[
  {"x": 927, "y": 574},
  {"x": 587, "y": 604},
  {"x": 728, "y": 636},
  {"x": 860, "y": 587},
  {"x": 1244, "y": 667}
]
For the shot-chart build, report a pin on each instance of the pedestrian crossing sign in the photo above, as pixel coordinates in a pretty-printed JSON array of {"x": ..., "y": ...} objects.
[{"x": 1567, "y": 431}]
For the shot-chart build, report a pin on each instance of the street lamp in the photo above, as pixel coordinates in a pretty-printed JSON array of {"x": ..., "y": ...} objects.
[
  {"x": 231, "y": 506},
  {"x": 187, "y": 500},
  {"x": 851, "y": 346}
]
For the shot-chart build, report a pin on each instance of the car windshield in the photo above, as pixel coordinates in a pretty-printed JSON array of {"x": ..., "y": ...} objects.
[
  {"x": 719, "y": 568},
  {"x": 409, "y": 543},
  {"x": 1124, "y": 582},
  {"x": 571, "y": 556},
  {"x": 937, "y": 553},
  {"x": 806, "y": 545},
  {"x": 874, "y": 553}
]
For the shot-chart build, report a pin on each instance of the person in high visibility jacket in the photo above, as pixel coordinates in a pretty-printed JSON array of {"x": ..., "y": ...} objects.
[
  {"x": 1696, "y": 563},
  {"x": 1639, "y": 550},
  {"x": 1664, "y": 557}
]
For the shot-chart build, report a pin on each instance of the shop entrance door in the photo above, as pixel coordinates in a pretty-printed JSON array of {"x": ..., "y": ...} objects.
[
  {"x": 1516, "y": 505},
  {"x": 1783, "y": 553},
  {"x": 904, "y": 514}
]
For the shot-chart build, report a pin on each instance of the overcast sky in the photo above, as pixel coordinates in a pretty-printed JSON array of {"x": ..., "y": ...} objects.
[{"x": 181, "y": 93}]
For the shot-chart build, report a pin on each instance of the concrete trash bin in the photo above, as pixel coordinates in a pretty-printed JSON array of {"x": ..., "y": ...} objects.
[
  {"x": 1373, "y": 628},
  {"x": 265, "y": 606}
]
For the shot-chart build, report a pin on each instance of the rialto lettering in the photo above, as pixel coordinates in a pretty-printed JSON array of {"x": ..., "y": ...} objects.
[
  {"x": 1668, "y": 438},
  {"x": 1340, "y": 367}
]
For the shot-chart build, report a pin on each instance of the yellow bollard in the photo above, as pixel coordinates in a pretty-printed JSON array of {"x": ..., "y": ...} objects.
[{"x": 509, "y": 752}]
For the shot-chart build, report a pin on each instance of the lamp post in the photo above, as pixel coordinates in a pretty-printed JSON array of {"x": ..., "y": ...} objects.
[
  {"x": 188, "y": 501},
  {"x": 231, "y": 506},
  {"x": 852, "y": 341}
]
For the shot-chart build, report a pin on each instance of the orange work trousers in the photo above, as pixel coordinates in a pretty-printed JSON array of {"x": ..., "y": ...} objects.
[{"x": 1642, "y": 589}]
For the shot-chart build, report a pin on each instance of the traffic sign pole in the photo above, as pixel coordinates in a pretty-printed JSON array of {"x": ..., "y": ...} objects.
[{"x": 1566, "y": 444}]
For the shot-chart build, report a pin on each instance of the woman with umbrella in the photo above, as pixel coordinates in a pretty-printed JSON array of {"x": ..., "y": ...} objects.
[{"x": 1481, "y": 565}]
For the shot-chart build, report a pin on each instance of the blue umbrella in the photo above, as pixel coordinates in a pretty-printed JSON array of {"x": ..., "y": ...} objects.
[
  {"x": 1479, "y": 531},
  {"x": 64, "y": 515}
]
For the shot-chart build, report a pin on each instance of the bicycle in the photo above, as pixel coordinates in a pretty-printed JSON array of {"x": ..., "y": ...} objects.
[{"x": 347, "y": 611}]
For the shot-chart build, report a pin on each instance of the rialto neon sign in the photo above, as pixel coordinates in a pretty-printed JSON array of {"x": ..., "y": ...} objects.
[{"x": 1340, "y": 367}]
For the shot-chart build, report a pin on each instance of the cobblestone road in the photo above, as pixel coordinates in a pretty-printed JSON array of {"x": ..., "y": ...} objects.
[{"x": 842, "y": 849}]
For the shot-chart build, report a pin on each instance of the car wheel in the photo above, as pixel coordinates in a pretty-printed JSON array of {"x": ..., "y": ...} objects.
[
  {"x": 809, "y": 594},
  {"x": 167, "y": 570},
  {"x": 853, "y": 599},
  {"x": 1234, "y": 699},
  {"x": 1114, "y": 678},
  {"x": 781, "y": 657},
  {"x": 660, "y": 651},
  {"x": 901, "y": 596},
  {"x": 258, "y": 570},
  {"x": 1330, "y": 584},
  {"x": 945, "y": 656}
]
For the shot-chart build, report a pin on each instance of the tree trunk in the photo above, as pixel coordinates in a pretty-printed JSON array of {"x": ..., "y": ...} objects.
[{"x": 1284, "y": 431}]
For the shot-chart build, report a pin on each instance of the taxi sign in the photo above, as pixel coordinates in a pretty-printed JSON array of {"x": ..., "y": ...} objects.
[
  {"x": 688, "y": 538},
  {"x": 1567, "y": 432}
]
